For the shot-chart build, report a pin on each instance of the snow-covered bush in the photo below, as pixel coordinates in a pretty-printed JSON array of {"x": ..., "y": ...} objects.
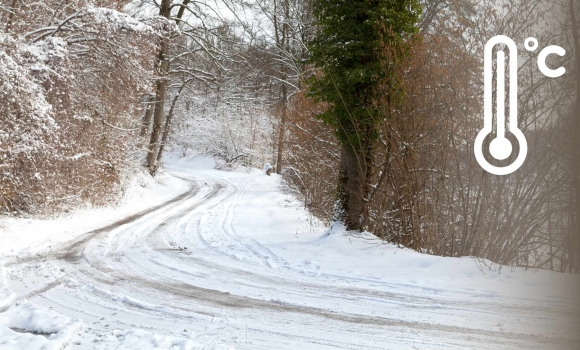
[
  {"x": 27, "y": 127},
  {"x": 312, "y": 157},
  {"x": 69, "y": 108}
]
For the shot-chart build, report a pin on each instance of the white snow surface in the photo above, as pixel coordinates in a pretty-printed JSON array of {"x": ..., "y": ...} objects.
[
  {"x": 27, "y": 317},
  {"x": 208, "y": 259}
]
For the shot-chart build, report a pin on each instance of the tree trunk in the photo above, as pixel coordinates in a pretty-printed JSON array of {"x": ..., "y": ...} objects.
[
  {"x": 168, "y": 124},
  {"x": 147, "y": 118},
  {"x": 157, "y": 121},
  {"x": 11, "y": 15},
  {"x": 351, "y": 206},
  {"x": 282, "y": 36},
  {"x": 281, "y": 132},
  {"x": 161, "y": 87}
]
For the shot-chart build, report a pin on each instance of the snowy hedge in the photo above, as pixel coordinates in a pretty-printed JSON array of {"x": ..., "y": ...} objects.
[{"x": 69, "y": 106}]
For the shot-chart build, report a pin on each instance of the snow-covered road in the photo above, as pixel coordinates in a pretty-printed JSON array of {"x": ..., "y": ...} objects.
[{"x": 233, "y": 262}]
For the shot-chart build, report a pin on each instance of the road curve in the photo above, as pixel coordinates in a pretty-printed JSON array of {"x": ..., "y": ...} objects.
[{"x": 181, "y": 268}]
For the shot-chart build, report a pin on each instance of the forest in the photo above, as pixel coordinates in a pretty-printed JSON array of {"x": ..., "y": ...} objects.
[{"x": 368, "y": 110}]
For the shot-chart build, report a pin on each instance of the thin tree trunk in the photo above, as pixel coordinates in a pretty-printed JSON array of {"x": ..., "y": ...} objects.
[
  {"x": 168, "y": 123},
  {"x": 282, "y": 44},
  {"x": 157, "y": 120},
  {"x": 281, "y": 132},
  {"x": 147, "y": 118},
  {"x": 161, "y": 87},
  {"x": 181, "y": 11},
  {"x": 11, "y": 15}
]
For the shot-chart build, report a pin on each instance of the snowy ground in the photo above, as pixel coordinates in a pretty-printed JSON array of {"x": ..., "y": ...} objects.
[{"x": 225, "y": 260}]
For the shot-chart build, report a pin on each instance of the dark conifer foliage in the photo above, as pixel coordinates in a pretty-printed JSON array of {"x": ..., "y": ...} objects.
[{"x": 348, "y": 53}]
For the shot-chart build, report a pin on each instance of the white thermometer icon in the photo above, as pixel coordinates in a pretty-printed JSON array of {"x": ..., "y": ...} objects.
[{"x": 501, "y": 148}]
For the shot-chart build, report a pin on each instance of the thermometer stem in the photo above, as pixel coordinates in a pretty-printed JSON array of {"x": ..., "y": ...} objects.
[{"x": 500, "y": 122}]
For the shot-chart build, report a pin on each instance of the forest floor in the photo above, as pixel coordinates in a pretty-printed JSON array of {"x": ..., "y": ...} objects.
[{"x": 209, "y": 259}]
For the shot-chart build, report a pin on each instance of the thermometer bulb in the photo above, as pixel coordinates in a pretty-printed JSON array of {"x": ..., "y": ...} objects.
[{"x": 500, "y": 148}]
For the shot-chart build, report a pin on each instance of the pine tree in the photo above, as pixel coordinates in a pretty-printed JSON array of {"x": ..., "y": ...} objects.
[{"x": 349, "y": 54}]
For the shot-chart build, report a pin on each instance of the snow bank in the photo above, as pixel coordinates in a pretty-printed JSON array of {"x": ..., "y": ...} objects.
[
  {"x": 362, "y": 257},
  {"x": 38, "y": 321},
  {"x": 32, "y": 327},
  {"x": 11, "y": 340}
]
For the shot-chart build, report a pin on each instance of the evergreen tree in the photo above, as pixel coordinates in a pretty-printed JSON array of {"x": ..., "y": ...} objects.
[{"x": 349, "y": 51}]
